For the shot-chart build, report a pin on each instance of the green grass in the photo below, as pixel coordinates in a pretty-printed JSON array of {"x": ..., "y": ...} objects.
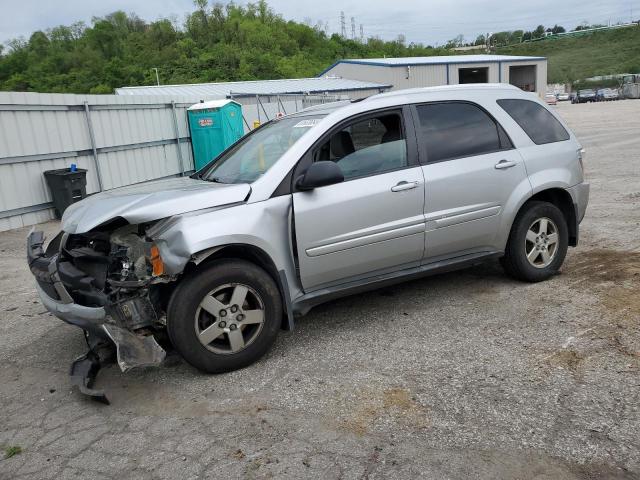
[
  {"x": 12, "y": 450},
  {"x": 575, "y": 58}
]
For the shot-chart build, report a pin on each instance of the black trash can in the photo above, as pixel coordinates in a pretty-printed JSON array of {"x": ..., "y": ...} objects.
[{"x": 66, "y": 187}]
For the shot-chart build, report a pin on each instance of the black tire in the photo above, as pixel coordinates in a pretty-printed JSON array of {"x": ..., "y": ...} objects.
[
  {"x": 185, "y": 301},
  {"x": 515, "y": 262}
]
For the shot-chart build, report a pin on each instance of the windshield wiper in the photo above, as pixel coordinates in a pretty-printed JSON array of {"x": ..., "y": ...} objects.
[{"x": 214, "y": 180}]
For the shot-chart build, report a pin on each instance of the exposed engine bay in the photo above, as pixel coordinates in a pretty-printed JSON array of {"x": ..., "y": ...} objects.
[
  {"x": 120, "y": 271},
  {"x": 116, "y": 275}
]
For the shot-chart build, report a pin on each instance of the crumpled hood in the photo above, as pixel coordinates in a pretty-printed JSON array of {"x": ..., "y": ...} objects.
[{"x": 150, "y": 201}]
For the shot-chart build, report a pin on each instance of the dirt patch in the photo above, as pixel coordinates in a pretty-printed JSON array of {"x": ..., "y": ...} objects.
[
  {"x": 614, "y": 277},
  {"x": 566, "y": 358},
  {"x": 399, "y": 398},
  {"x": 601, "y": 265},
  {"x": 625, "y": 303},
  {"x": 371, "y": 410}
]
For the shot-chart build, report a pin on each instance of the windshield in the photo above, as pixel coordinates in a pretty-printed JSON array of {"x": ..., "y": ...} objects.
[
  {"x": 586, "y": 92},
  {"x": 254, "y": 154}
]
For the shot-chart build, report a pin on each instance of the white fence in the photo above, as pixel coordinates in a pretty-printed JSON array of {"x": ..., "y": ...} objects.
[{"x": 120, "y": 140}]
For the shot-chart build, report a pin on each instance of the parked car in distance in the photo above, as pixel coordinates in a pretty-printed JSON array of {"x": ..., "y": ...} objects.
[
  {"x": 606, "y": 95},
  {"x": 331, "y": 201},
  {"x": 586, "y": 95},
  {"x": 550, "y": 99},
  {"x": 563, "y": 97}
]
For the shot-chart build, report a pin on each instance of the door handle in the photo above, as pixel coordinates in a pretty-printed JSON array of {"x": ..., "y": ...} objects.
[
  {"x": 404, "y": 185},
  {"x": 502, "y": 164}
]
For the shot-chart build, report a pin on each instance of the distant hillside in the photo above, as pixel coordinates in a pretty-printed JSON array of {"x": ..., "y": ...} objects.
[
  {"x": 252, "y": 42},
  {"x": 575, "y": 58}
]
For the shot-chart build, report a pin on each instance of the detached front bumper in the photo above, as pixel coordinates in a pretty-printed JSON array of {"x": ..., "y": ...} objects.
[
  {"x": 106, "y": 340},
  {"x": 53, "y": 293}
]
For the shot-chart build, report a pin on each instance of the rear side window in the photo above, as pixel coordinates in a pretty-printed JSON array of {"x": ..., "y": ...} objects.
[
  {"x": 537, "y": 122},
  {"x": 457, "y": 129}
]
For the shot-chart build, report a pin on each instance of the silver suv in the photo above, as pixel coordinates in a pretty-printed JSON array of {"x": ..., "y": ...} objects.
[{"x": 324, "y": 203}]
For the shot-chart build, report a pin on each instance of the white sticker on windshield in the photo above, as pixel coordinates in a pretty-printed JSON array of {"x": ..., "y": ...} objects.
[{"x": 306, "y": 123}]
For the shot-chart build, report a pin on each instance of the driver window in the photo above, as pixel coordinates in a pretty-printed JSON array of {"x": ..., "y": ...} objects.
[{"x": 367, "y": 147}]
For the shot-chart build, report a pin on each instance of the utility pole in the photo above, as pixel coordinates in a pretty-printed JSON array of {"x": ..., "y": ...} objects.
[
  {"x": 361, "y": 33},
  {"x": 157, "y": 76},
  {"x": 353, "y": 28},
  {"x": 343, "y": 25}
]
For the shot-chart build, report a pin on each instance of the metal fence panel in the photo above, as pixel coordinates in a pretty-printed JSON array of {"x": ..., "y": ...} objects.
[{"x": 135, "y": 139}]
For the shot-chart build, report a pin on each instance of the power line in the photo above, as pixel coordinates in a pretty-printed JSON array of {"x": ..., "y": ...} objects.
[{"x": 515, "y": 20}]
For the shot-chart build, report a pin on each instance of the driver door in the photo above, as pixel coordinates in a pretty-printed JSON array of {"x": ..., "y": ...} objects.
[{"x": 373, "y": 221}]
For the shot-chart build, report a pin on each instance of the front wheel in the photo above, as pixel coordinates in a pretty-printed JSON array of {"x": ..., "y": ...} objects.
[
  {"x": 537, "y": 244},
  {"x": 225, "y": 316}
]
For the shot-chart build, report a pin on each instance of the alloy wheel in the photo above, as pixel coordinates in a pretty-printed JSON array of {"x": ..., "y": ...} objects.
[
  {"x": 541, "y": 242},
  {"x": 229, "y": 318}
]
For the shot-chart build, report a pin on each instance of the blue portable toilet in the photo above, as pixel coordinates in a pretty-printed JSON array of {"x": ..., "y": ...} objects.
[{"x": 214, "y": 125}]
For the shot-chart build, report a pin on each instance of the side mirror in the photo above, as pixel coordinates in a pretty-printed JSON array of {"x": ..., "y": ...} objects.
[{"x": 320, "y": 174}]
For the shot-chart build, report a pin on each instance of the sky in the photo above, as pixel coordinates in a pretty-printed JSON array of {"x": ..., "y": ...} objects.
[{"x": 431, "y": 22}]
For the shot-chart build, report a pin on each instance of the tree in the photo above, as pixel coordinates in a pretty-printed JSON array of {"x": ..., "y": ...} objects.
[
  {"x": 458, "y": 41},
  {"x": 215, "y": 42},
  {"x": 538, "y": 32}
]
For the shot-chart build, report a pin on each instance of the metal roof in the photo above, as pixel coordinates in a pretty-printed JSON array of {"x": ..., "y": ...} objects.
[
  {"x": 450, "y": 88},
  {"x": 261, "y": 87},
  {"x": 211, "y": 104},
  {"x": 435, "y": 60}
]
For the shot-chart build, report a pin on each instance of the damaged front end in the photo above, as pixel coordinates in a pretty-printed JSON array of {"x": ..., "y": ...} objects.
[{"x": 111, "y": 283}]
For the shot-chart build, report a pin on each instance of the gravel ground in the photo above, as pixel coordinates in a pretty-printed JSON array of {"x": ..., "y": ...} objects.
[{"x": 463, "y": 375}]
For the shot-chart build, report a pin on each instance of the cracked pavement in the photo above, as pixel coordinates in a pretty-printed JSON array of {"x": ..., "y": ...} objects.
[{"x": 463, "y": 375}]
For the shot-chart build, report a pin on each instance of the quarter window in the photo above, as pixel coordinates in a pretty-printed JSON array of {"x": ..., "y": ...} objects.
[
  {"x": 456, "y": 129},
  {"x": 366, "y": 147},
  {"x": 537, "y": 122}
]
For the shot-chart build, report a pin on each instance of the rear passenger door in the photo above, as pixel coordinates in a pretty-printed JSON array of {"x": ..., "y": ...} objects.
[
  {"x": 471, "y": 172},
  {"x": 551, "y": 158}
]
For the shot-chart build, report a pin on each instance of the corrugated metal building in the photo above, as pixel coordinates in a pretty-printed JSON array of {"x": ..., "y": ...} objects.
[
  {"x": 261, "y": 100},
  {"x": 528, "y": 73},
  {"x": 294, "y": 86}
]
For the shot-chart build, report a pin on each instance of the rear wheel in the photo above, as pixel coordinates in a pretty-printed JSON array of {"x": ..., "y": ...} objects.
[
  {"x": 537, "y": 244},
  {"x": 225, "y": 316}
]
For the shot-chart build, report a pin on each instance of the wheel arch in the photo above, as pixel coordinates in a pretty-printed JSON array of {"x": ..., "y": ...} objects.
[
  {"x": 255, "y": 255},
  {"x": 562, "y": 199}
]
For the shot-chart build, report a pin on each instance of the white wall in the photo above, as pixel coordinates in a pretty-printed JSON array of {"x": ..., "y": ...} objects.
[{"x": 433, "y": 75}]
